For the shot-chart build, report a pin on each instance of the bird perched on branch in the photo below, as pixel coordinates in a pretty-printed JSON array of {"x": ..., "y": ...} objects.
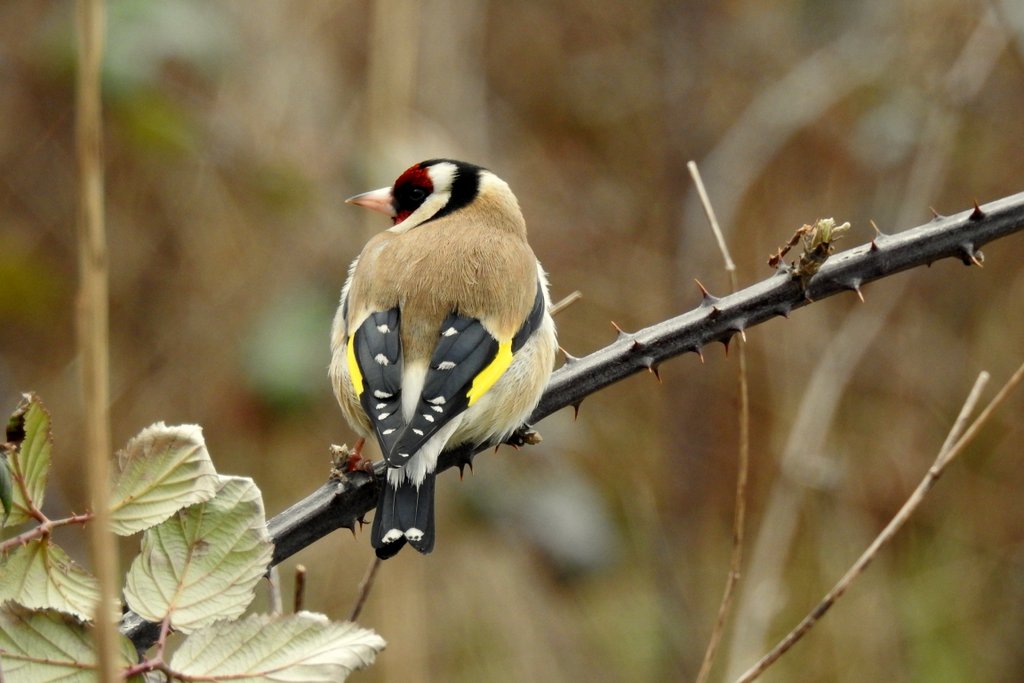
[{"x": 443, "y": 335}]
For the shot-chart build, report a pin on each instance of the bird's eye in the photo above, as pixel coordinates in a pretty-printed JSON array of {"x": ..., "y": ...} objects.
[{"x": 417, "y": 194}]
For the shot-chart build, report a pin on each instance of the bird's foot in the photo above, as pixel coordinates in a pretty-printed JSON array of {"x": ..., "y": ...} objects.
[
  {"x": 345, "y": 460},
  {"x": 524, "y": 436}
]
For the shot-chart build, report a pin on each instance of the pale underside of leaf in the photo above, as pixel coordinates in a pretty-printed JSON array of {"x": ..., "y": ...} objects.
[
  {"x": 40, "y": 575},
  {"x": 162, "y": 470},
  {"x": 49, "y": 646},
  {"x": 30, "y": 462},
  {"x": 300, "y": 648},
  {"x": 203, "y": 563}
]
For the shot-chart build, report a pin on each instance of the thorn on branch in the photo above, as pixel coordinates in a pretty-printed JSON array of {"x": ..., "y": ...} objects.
[
  {"x": 968, "y": 255},
  {"x": 620, "y": 333},
  {"x": 652, "y": 367},
  {"x": 706, "y": 297},
  {"x": 977, "y": 214}
]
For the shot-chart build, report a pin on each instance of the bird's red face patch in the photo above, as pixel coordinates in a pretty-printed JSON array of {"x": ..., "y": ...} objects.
[{"x": 410, "y": 191}]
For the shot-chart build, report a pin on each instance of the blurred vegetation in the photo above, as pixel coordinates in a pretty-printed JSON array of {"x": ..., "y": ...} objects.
[{"x": 236, "y": 129}]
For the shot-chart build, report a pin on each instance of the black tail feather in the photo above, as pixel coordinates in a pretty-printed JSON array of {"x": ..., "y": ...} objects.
[{"x": 404, "y": 508}]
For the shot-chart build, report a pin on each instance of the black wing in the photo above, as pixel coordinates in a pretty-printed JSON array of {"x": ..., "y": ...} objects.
[
  {"x": 376, "y": 348},
  {"x": 465, "y": 353}
]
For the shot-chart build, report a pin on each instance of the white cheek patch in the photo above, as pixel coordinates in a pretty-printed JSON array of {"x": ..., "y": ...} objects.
[{"x": 434, "y": 203}]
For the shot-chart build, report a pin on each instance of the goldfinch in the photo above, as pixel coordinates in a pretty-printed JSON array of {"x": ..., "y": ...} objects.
[{"x": 443, "y": 335}]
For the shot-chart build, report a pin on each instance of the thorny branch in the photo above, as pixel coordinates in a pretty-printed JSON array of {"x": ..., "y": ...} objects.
[{"x": 342, "y": 503}]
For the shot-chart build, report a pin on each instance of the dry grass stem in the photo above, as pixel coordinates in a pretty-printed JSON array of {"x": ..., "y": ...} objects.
[
  {"x": 709, "y": 211},
  {"x": 93, "y": 315},
  {"x": 740, "y": 509},
  {"x": 274, "y": 578},
  {"x": 300, "y": 588},
  {"x": 365, "y": 586},
  {"x": 566, "y": 302},
  {"x": 946, "y": 455}
]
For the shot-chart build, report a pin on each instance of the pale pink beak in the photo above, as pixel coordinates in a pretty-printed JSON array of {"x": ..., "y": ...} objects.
[{"x": 375, "y": 200}]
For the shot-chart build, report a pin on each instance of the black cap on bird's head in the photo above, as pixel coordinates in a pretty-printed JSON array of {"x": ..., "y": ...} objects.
[{"x": 440, "y": 185}]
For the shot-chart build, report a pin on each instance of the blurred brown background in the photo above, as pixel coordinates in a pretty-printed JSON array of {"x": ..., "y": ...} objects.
[{"x": 236, "y": 129}]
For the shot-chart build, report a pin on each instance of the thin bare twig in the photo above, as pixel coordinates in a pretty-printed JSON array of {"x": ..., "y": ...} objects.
[
  {"x": 300, "y": 588},
  {"x": 41, "y": 530},
  {"x": 740, "y": 509},
  {"x": 945, "y": 456},
  {"x": 364, "y": 588}
]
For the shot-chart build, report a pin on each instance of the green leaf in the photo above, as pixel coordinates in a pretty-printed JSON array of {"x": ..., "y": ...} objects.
[
  {"x": 6, "y": 492},
  {"x": 303, "y": 647},
  {"x": 28, "y": 430},
  {"x": 40, "y": 575},
  {"x": 203, "y": 563},
  {"x": 50, "y": 646},
  {"x": 163, "y": 469}
]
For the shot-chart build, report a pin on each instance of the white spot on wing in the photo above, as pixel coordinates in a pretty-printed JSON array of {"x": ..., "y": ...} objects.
[
  {"x": 392, "y": 536},
  {"x": 381, "y": 359},
  {"x": 383, "y": 416},
  {"x": 437, "y": 409},
  {"x": 383, "y": 329},
  {"x": 437, "y": 400},
  {"x": 381, "y": 405},
  {"x": 446, "y": 365},
  {"x": 414, "y": 534},
  {"x": 388, "y": 431},
  {"x": 377, "y": 393},
  {"x": 428, "y": 418},
  {"x": 450, "y": 332},
  {"x": 417, "y": 432}
]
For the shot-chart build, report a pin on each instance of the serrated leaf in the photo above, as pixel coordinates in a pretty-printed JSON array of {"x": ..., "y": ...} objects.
[
  {"x": 50, "y": 646},
  {"x": 302, "y": 647},
  {"x": 28, "y": 430},
  {"x": 162, "y": 470},
  {"x": 40, "y": 575},
  {"x": 203, "y": 563}
]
